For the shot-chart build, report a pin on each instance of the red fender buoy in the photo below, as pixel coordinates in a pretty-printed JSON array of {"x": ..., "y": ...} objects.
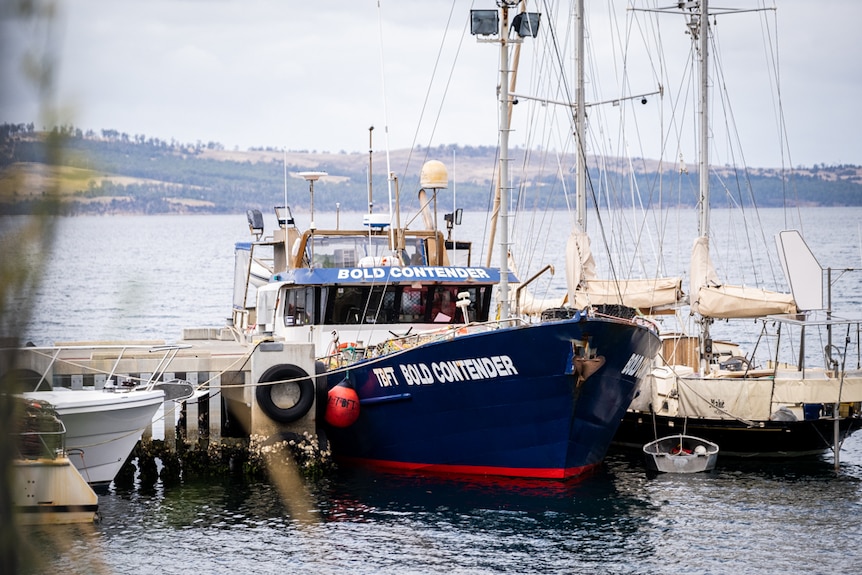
[{"x": 342, "y": 406}]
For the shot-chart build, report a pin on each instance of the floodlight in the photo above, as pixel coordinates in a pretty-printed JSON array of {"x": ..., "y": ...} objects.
[
  {"x": 484, "y": 23},
  {"x": 284, "y": 216},
  {"x": 527, "y": 24},
  {"x": 255, "y": 222}
]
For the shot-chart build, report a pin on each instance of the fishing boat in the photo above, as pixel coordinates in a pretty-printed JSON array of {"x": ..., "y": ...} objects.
[
  {"x": 46, "y": 488},
  {"x": 421, "y": 374},
  {"x": 424, "y": 373},
  {"x": 751, "y": 405},
  {"x": 680, "y": 454}
]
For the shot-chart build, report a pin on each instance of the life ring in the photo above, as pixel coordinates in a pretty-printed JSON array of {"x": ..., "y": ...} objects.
[{"x": 263, "y": 393}]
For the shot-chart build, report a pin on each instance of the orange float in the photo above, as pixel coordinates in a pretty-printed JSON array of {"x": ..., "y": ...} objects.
[{"x": 342, "y": 406}]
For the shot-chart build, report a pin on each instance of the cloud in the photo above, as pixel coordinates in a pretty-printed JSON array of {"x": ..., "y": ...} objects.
[{"x": 308, "y": 75}]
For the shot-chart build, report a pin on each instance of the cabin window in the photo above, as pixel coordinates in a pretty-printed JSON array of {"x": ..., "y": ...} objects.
[
  {"x": 396, "y": 304},
  {"x": 413, "y": 304},
  {"x": 346, "y": 305},
  {"x": 348, "y": 251},
  {"x": 443, "y": 308},
  {"x": 415, "y": 255},
  {"x": 298, "y": 306},
  {"x": 321, "y": 296}
]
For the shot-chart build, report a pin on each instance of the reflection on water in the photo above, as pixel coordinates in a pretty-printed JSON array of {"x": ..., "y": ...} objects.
[{"x": 745, "y": 517}]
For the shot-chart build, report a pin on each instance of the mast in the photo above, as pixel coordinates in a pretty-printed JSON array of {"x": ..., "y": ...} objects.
[
  {"x": 495, "y": 211},
  {"x": 370, "y": 161},
  {"x": 703, "y": 37},
  {"x": 486, "y": 23},
  {"x": 505, "y": 189},
  {"x": 698, "y": 25},
  {"x": 580, "y": 123}
]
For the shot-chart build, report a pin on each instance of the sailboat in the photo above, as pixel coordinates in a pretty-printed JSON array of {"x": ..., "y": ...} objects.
[
  {"x": 423, "y": 373},
  {"x": 710, "y": 388}
]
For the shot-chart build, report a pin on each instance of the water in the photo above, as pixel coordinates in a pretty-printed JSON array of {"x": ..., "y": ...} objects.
[
  {"x": 134, "y": 277},
  {"x": 148, "y": 277},
  {"x": 742, "y": 518}
]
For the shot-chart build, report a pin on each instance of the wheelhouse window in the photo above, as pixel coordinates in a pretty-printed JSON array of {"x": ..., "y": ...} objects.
[
  {"x": 396, "y": 304},
  {"x": 349, "y": 251},
  {"x": 299, "y": 306}
]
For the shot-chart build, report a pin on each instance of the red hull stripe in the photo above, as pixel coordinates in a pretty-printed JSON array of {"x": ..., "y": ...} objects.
[{"x": 525, "y": 472}]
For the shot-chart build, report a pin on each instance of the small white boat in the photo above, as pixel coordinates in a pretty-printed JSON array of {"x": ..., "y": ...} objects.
[
  {"x": 680, "y": 454},
  {"x": 46, "y": 487},
  {"x": 102, "y": 427}
]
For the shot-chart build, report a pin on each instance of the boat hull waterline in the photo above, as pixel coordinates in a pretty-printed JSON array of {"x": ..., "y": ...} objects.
[{"x": 507, "y": 402}]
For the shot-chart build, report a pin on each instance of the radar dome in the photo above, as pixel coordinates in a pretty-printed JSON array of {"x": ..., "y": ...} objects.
[{"x": 434, "y": 175}]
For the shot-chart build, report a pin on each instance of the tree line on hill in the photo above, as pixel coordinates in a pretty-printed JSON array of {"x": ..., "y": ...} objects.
[{"x": 162, "y": 176}]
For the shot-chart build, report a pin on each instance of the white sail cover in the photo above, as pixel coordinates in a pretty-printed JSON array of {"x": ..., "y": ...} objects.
[
  {"x": 725, "y": 398},
  {"x": 711, "y": 299},
  {"x": 585, "y": 288},
  {"x": 659, "y": 388},
  {"x": 816, "y": 386},
  {"x": 530, "y": 305},
  {"x": 643, "y": 294}
]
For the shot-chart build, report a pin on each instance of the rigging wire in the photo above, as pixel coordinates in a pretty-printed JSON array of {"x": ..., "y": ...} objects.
[
  {"x": 389, "y": 174},
  {"x": 771, "y": 49}
]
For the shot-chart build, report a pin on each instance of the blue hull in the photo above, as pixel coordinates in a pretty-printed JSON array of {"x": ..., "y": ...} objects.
[{"x": 520, "y": 402}]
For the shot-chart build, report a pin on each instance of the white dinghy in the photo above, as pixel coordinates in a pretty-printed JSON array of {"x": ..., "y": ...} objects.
[{"x": 680, "y": 454}]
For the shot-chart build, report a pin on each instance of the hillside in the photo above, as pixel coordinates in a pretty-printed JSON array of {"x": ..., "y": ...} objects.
[{"x": 112, "y": 173}]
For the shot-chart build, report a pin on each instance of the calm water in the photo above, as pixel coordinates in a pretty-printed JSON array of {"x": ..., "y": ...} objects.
[
  {"x": 148, "y": 277},
  {"x": 742, "y": 518}
]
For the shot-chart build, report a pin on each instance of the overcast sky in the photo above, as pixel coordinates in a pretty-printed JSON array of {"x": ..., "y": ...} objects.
[{"x": 307, "y": 74}]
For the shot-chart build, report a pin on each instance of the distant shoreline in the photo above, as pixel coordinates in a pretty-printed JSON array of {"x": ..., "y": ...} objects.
[{"x": 114, "y": 173}]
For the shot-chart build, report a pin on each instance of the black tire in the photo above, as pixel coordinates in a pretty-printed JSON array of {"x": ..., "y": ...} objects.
[{"x": 263, "y": 393}]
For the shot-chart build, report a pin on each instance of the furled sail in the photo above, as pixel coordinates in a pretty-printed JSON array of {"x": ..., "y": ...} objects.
[
  {"x": 643, "y": 294},
  {"x": 585, "y": 288},
  {"x": 531, "y": 305},
  {"x": 712, "y": 299},
  {"x": 580, "y": 264}
]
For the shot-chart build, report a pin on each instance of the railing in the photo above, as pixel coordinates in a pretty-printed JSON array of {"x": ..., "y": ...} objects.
[
  {"x": 42, "y": 444},
  {"x": 352, "y": 354},
  {"x": 55, "y": 354}
]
